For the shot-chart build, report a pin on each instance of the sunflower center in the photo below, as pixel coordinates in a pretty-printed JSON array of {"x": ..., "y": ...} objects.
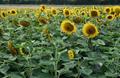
[
  {"x": 83, "y": 13},
  {"x": 43, "y": 7},
  {"x": 13, "y": 12},
  {"x": 3, "y": 14},
  {"x": 54, "y": 11},
  {"x": 109, "y": 17},
  {"x": 113, "y": 13},
  {"x": 67, "y": 12},
  {"x": 69, "y": 27},
  {"x": 8, "y": 12},
  {"x": 91, "y": 30},
  {"x": 43, "y": 20},
  {"x": 94, "y": 13},
  {"x": 24, "y": 23},
  {"x": 107, "y": 10}
]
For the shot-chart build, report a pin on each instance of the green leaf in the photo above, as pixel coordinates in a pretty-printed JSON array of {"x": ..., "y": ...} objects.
[
  {"x": 4, "y": 68},
  {"x": 86, "y": 71},
  {"x": 100, "y": 42},
  {"x": 14, "y": 75},
  {"x": 37, "y": 73},
  {"x": 111, "y": 74}
]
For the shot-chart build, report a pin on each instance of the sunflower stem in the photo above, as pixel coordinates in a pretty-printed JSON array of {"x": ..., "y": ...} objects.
[
  {"x": 56, "y": 63},
  {"x": 78, "y": 68},
  {"x": 90, "y": 43}
]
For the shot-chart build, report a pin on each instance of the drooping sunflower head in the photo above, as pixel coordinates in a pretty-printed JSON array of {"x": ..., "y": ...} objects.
[
  {"x": 43, "y": 20},
  {"x": 24, "y": 23},
  {"x": 94, "y": 13},
  {"x": 68, "y": 27},
  {"x": 110, "y": 17},
  {"x": 90, "y": 30},
  {"x": 107, "y": 9},
  {"x": 11, "y": 48},
  {"x": 77, "y": 19},
  {"x": 13, "y": 12},
  {"x": 66, "y": 12}
]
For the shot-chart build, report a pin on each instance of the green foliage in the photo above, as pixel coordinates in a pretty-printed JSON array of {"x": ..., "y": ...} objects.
[{"x": 47, "y": 58}]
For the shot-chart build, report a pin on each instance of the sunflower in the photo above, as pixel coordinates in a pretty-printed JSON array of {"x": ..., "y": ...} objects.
[
  {"x": 45, "y": 31},
  {"x": 53, "y": 11},
  {"x": 13, "y": 12},
  {"x": 98, "y": 20},
  {"x": 113, "y": 13},
  {"x": 24, "y": 23},
  {"x": 37, "y": 13},
  {"x": 82, "y": 13},
  {"x": 77, "y": 19},
  {"x": 119, "y": 16},
  {"x": 90, "y": 30},
  {"x": 43, "y": 20},
  {"x": 11, "y": 47},
  {"x": 94, "y": 13},
  {"x": 66, "y": 12},
  {"x": 107, "y": 10},
  {"x": 8, "y": 11},
  {"x": 110, "y": 17},
  {"x": 116, "y": 9},
  {"x": 71, "y": 54},
  {"x": 68, "y": 27},
  {"x": 3, "y": 14},
  {"x": 42, "y": 8}
]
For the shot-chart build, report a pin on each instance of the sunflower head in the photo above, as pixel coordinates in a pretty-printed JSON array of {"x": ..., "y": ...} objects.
[
  {"x": 82, "y": 13},
  {"x": 43, "y": 20},
  {"x": 42, "y": 8},
  {"x": 66, "y": 12},
  {"x": 13, "y": 12},
  {"x": 11, "y": 48},
  {"x": 77, "y": 19},
  {"x": 37, "y": 13},
  {"x": 3, "y": 14},
  {"x": 8, "y": 12},
  {"x": 68, "y": 27},
  {"x": 53, "y": 11},
  {"x": 116, "y": 9},
  {"x": 45, "y": 31},
  {"x": 71, "y": 54},
  {"x": 98, "y": 20},
  {"x": 107, "y": 10},
  {"x": 24, "y": 23},
  {"x": 94, "y": 13},
  {"x": 112, "y": 12},
  {"x": 90, "y": 30},
  {"x": 110, "y": 17}
]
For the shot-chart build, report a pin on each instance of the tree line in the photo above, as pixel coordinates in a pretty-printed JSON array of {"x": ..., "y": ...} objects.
[{"x": 59, "y": 2}]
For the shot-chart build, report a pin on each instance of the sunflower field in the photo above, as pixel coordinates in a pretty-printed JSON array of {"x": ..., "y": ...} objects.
[{"x": 60, "y": 42}]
